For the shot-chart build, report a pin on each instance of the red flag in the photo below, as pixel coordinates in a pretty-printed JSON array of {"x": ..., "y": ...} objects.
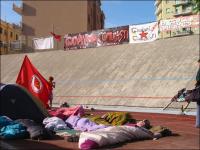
[
  {"x": 57, "y": 37},
  {"x": 33, "y": 81}
]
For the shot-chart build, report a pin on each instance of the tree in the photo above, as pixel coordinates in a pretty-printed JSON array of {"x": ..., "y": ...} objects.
[{"x": 196, "y": 6}]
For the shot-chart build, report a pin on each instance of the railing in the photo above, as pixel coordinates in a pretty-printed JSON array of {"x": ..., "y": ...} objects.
[
  {"x": 158, "y": 11},
  {"x": 157, "y": 2},
  {"x": 186, "y": 12},
  {"x": 182, "y": 33},
  {"x": 13, "y": 46},
  {"x": 16, "y": 45},
  {"x": 17, "y": 9},
  {"x": 182, "y": 2}
]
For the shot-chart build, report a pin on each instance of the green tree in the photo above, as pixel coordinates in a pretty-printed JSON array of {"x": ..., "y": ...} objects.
[{"x": 196, "y": 6}]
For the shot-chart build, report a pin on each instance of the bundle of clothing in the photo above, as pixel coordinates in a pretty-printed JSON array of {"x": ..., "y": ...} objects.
[{"x": 22, "y": 129}]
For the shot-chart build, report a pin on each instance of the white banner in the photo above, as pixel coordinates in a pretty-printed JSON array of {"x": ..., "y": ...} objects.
[
  {"x": 178, "y": 23},
  {"x": 43, "y": 43},
  {"x": 143, "y": 33}
]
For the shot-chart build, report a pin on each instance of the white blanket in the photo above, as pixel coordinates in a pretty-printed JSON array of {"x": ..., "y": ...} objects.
[
  {"x": 43, "y": 43},
  {"x": 114, "y": 134}
]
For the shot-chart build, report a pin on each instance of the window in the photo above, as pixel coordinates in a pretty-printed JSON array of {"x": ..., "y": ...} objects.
[
  {"x": 1, "y": 30},
  {"x": 5, "y": 45},
  {"x": 5, "y": 32},
  {"x": 11, "y": 34},
  {"x": 177, "y": 2},
  {"x": 184, "y": 8},
  {"x": 88, "y": 19},
  {"x": 176, "y": 9},
  {"x": 186, "y": 29},
  {"x": 16, "y": 37},
  {"x": 167, "y": 10},
  {"x": 1, "y": 44}
]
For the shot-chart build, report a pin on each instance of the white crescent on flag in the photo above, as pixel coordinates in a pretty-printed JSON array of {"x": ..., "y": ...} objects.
[{"x": 36, "y": 84}]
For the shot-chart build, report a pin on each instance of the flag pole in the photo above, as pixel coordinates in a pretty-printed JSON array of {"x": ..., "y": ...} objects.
[
  {"x": 53, "y": 32},
  {"x": 53, "y": 28},
  {"x": 167, "y": 105},
  {"x": 185, "y": 107}
]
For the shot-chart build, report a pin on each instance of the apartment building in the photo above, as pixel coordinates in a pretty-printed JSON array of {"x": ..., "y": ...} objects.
[
  {"x": 39, "y": 18},
  {"x": 8, "y": 34},
  {"x": 168, "y": 9}
]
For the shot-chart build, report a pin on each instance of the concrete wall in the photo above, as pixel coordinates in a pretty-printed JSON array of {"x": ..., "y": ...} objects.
[{"x": 146, "y": 75}]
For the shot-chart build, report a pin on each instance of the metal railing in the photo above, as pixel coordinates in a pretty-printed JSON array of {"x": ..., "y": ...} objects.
[
  {"x": 16, "y": 45},
  {"x": 182, "y": 32},
  {"x": 182, "y": 2},
  {"x": 185, "y": 12}
]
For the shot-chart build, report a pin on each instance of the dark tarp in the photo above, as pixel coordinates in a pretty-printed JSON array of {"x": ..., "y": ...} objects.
[{"x": 17, "y": 103}]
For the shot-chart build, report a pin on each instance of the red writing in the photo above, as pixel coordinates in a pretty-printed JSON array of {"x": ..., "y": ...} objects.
[{"x": 114, "y": 36}]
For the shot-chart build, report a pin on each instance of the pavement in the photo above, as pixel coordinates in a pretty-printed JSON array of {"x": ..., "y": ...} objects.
[{"x": 185, "y": 136}]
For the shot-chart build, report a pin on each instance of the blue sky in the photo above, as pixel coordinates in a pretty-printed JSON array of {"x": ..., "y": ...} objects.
[
  {"x": 7, "y": 14},
  {"x": 118, "y": 13},
  {"x": 127, "y": 12}
]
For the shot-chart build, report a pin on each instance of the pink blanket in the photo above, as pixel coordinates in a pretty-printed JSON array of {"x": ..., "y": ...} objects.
[{"x": 64, "y": 113}]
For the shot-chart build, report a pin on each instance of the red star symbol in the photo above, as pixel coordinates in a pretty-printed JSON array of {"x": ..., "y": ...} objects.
[{"x": 143, "y": 35}]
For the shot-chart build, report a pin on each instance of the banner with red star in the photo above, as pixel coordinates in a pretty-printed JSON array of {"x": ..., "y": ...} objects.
[{"x": 143, "y": 33}]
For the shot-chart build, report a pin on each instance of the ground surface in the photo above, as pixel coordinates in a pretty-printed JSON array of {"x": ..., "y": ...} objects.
[{"x": 186, "y": 136}]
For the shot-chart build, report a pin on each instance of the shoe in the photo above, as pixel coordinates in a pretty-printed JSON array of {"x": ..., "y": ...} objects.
[
  {"x": 197, "y": 126},
  {"x": 73, "y": 138}
]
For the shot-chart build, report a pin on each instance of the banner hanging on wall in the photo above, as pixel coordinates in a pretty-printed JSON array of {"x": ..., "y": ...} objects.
[
  {"x": 143, "y": 33},
  {"x": 111, "y": 36},
  {"x": 178, "y": 23},
  {"x": 80, "y": 40},
  {"x": 43, "y": 43}
]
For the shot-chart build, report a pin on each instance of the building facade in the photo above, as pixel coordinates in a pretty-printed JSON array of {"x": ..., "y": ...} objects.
[
  {"x": 169, "y": 9},
  {"x": 8, "y": 33},
  {"x": 39, "y": 18}
]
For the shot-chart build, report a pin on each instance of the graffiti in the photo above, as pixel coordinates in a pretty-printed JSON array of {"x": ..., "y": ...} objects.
[
  {"x": 80, "y": 41},
  {"x": 99, "y": 38},
  {"x": 113, "y": 37},
  {"x": 178, "y": 23}
]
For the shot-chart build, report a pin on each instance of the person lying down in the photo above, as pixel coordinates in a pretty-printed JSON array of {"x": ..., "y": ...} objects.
[{"x": 117, "y": 134}]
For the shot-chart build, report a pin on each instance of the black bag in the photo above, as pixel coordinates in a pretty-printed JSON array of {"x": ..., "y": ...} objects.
[
  {"x": 193, "y": 95},
  {"x": 35, "y": 130},
  {"x": 39, "y": 133}
]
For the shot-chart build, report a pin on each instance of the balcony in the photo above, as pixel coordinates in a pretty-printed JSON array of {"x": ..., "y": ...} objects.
[
  {"x": 157, "y": 2},
  {"x": 184, "y": 13},
  {"x": 158, "y": 11},
  {"x": 182, "y": 33},
  {"x": 18, "y": 9},
  {"x": 182, "y": 2}
]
